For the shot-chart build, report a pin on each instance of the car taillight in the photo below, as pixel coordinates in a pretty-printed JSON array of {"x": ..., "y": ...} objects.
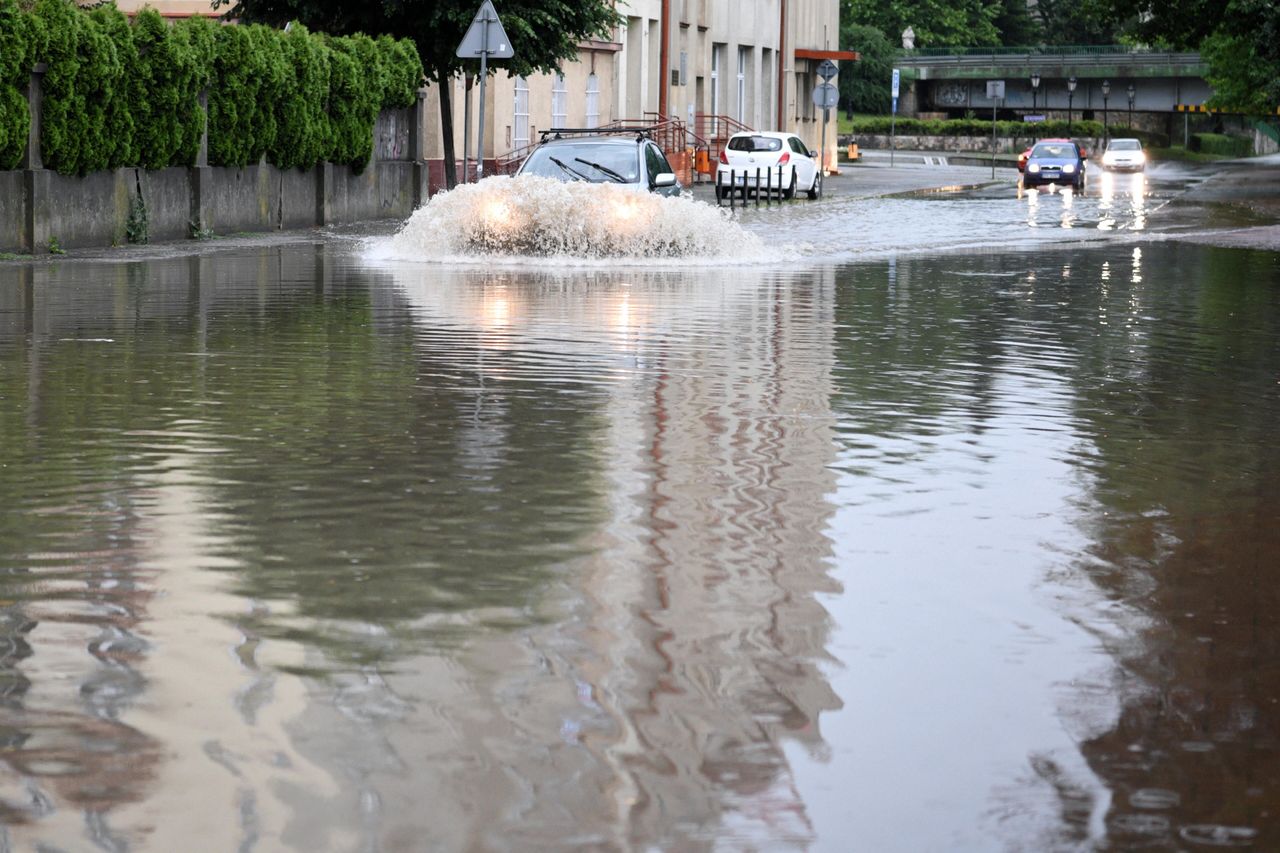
[
  {"x": 785, "y": 158},
  {"x": 724, "y": 157}
]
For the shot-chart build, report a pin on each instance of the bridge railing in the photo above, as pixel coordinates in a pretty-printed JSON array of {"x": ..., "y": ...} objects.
[{"x": 1029, "y": 50}]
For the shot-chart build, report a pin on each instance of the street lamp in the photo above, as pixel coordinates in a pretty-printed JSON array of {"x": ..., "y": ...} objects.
[
  {"x": 1035, "y": 87},
  {"x": 1106, "y": 91},
  {"x": 1131, "y": 94},
  {"x": 1071, "y": 96}
]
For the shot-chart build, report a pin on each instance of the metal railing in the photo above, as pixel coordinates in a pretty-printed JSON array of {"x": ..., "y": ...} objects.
[
  {"x": 751, "y": 183},
  {"x": 671, "y": 135}
]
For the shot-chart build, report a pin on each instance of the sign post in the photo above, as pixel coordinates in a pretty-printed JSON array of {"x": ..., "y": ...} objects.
[
  {"x": 826, "y": 96},
  {"x": 995, "y": 91},
  {"x": 485, "y": 39},
  {"x": 827, "y": 70},
  {"x": 893, "y": 116}
]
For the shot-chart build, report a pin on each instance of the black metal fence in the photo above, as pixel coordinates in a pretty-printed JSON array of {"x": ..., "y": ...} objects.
[{"x": 754, "y": 183}]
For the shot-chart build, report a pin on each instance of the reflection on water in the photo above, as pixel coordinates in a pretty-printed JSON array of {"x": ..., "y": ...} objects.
[
  {"x": 1112, "y": 202},
  {"x": 930, "y": 553}
]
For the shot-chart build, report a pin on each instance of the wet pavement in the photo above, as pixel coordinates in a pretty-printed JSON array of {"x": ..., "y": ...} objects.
[{"x": 947, "y": 523}]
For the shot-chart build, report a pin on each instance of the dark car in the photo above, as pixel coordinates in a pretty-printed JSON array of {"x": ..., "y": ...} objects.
[
  {"x": 631, "y": 159},
  {"x": 1056, "y": 161}
]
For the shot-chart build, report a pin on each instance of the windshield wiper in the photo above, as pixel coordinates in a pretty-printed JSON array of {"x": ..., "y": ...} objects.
[
  {"x": 618, "y": 179},
  {"x": 570, "y": 171}
]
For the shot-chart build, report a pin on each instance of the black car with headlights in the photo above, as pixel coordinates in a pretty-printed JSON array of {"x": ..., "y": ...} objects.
[
  {"x": 1056, "y": 161},
  {"x": 602, "y": 157}
]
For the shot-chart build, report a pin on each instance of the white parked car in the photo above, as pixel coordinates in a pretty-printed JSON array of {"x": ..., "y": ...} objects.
[
  {"x": 781, "y": 160},
  {"x": 1124, "y": 155}
]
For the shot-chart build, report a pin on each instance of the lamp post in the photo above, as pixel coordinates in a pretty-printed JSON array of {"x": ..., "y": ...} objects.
[
  {"x": 1035, "y": 88},
  {"x": 1131, "y": 94},
  {"x": 1071, "y": 96},
  {"x": 1106, "y": 91}
]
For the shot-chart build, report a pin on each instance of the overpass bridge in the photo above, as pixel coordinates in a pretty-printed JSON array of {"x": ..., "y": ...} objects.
[{"x": 953, "y": 80}]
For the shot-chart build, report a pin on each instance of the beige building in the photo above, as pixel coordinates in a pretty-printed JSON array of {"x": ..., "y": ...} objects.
[{"x": 712, "y": 66}]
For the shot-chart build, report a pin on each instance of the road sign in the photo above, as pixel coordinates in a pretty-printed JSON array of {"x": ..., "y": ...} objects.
[
  {"x": 995, "y": 90},
  {"x": 894, "y": 89},
  {"x": 486, "y": 37},
  {"x": 826, "y": 96},
  {"x": 827, "y": 69}
]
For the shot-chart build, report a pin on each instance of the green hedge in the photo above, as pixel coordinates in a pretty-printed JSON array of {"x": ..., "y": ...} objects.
[
  {"x": 127, "y": 93},
  {"x": 1221, "y": 145},
  {"x": 976, "y": 127},
  {"x": 17, "y": 51}
]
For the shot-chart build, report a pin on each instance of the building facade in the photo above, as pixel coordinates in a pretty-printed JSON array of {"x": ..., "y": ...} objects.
[{"x": 715, "y": 66}]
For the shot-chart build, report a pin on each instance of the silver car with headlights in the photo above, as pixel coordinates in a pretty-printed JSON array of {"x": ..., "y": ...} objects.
[{"x": 602, "y": 157}]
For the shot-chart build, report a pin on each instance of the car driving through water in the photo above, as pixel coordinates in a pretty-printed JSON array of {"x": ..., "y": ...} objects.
[
  {"x": 1056, "y": 161},
  {"x": 1124, "y": 155},
  {"x": 601, "y": 157}
]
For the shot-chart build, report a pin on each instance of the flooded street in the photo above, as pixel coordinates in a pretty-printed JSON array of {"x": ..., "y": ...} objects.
[{"x": 948, "y": 524}]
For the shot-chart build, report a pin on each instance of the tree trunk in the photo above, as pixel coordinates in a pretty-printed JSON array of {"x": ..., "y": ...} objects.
[{"x": 446, "y": 127}]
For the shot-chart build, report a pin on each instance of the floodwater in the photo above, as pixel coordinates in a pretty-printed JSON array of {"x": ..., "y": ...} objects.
[{"x": 859, "y": 550}]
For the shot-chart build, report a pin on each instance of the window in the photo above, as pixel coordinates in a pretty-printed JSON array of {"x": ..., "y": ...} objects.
[
  {"x": 521, "y": 139},
  {"x": 745, "y": 142},
  {"x": 741, "y": 113},
  {"x": 717, "y": 51},
  {"x": 798, "y": 146},
  {"x": 593, "y": 100},
  {"x": 656, "y": 162},
  {"x": 559, "y": 102}
]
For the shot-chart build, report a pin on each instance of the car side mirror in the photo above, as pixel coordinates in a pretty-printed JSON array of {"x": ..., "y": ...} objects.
[
  {"x": 664, "y": 179},
  {"x": 813, "y": 152}
]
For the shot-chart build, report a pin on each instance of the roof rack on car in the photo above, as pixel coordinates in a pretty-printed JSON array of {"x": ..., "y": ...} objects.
[{"x": 561, "y": 132}]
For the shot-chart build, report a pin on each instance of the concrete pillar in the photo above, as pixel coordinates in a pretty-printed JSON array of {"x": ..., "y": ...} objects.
[
  {"x": 200, "y": 176},
  {"x": 418, "y": 148},
  {"x": 202, "y": 157},
  {"x": 324, "y": 192},
  {"x": 35, "y": 178},
  {"x": 201, "y": 182}
]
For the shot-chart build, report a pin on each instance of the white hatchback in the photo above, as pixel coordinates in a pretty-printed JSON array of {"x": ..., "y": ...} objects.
[
  {"x": 1124, "y": 155},
  {"x": 769, "y": 161}
]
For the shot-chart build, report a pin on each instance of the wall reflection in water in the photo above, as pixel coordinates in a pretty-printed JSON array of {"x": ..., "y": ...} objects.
[
  {"x": 299, "y": 553},
  {"x": 700, "y": 636},
  {"x": 443, "y": 560}
]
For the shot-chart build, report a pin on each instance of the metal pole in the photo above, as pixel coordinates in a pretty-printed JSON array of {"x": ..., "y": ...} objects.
[
  {"x": 484, "y": 73},
  {"x": 822, "y": 149},
  {"x": 993, "y": 138},
  {"x": 466, "y": 128},
  {"x": 893, "y": 139}
]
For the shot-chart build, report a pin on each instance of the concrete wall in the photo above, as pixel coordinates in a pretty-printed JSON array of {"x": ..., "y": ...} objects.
[
  {"x": 13, "y": 210},
  {"x": 82, "y": 212}
]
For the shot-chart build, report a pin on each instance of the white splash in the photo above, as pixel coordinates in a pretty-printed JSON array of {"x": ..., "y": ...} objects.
[{"x": 510, "y": 218}]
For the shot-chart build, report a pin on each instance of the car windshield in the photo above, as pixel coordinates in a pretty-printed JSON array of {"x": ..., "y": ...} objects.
[
  {"x": 1125, "y": 145},
  {"x": 597, "y": 162},
  {"x": 1054, "y": 149},
  {"x": 755, "y": 143}
]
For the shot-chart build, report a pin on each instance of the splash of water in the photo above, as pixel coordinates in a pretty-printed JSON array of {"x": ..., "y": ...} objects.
[{"x": 502, "y": 217}]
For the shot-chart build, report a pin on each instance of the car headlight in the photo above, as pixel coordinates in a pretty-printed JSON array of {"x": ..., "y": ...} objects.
[
  {"x": 1069, "y": 168},
  {"x": 1108, "y": 158},
  {"x": 1033, "y": 167},
  {"x": 1140, "y": 158}
]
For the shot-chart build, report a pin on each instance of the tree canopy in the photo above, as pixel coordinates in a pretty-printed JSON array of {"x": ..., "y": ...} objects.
[
  {"x": 1239, "y": 39},
  {"x": 544, "y": 33},
  {"x": 864, "y": 85}
]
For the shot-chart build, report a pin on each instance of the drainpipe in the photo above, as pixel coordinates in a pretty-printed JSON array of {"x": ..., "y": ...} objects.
[
  {"x": 782, "y": 66},
  {"x": 664, "y": 59}
]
